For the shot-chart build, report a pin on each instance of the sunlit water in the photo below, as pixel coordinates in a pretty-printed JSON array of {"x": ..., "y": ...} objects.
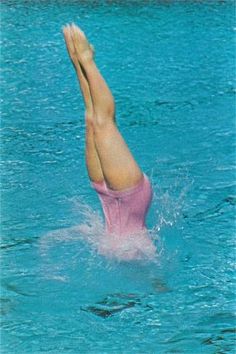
[{"x": 170, "y": 65}]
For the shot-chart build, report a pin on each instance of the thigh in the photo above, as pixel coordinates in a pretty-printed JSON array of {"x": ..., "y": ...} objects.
[{"x": 119, "y": 167}]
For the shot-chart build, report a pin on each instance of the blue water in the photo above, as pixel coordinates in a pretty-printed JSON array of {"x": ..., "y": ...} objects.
[{"x": 171, "y": 66}]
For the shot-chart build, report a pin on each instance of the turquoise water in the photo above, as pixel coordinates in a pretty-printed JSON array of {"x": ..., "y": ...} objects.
[{"x": 170, "y": 65}]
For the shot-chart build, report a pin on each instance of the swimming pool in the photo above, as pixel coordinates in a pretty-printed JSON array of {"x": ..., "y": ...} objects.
[{"x": 170, "y": 65}]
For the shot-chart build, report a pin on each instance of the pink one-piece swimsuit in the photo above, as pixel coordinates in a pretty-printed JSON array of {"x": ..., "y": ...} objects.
[{"x": 125, "y": 210}]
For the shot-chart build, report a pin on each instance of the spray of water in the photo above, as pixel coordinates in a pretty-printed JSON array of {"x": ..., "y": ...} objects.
[{"x": 144, "y": 246}]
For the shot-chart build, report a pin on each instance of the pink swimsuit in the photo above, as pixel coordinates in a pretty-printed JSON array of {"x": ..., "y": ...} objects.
[{"x": 125, "y": 211}]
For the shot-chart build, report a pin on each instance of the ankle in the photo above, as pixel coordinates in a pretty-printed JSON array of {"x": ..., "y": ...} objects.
[{"x": 87, "y": 64}]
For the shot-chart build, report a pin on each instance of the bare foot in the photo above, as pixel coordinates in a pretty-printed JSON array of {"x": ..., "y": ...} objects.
[
  {"x": 79, "y": 49},
  {"x": 70, "y": 45},
  {"x": 84, "y": 50},
  {"x": 75, "y": 46}
]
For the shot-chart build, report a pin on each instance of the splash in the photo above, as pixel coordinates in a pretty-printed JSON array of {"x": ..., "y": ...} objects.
[
  {"x": 169, "y": 201},
  {"x": 138, "y": 246},
  {"x": 143, "y": 246}
]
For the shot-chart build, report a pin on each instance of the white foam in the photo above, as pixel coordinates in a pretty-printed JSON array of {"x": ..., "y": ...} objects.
[
  {"x": 141, "y": 246},
  {"x": 131, "y": 247}
]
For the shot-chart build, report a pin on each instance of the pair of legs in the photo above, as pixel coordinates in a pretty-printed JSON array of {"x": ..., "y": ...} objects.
[{"x": 107, "y": 155}]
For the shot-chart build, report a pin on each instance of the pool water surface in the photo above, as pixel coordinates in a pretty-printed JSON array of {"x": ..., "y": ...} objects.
[{"x": 170, "y": 65}]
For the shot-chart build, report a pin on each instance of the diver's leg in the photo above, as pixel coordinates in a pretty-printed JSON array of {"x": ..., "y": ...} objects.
[
  {"x": 119, "y": 167},
  {"x": 92, "y": 159}
]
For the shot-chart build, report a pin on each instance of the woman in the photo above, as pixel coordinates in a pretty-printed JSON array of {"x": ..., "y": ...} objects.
[{"x": 124, "y": 191}]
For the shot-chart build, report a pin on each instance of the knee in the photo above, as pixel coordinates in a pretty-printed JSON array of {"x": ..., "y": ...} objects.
[{"x": 103, "y": 122}]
